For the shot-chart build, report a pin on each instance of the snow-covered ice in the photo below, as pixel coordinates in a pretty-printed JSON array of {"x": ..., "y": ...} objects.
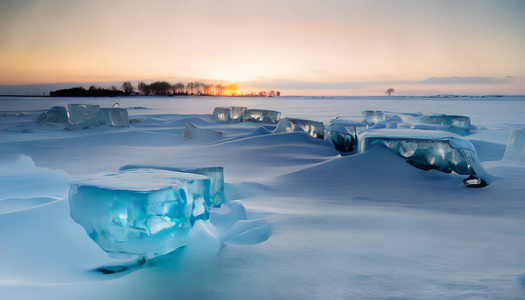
[
  {"x": 427, "y": 150},
  {"x": 362, "y": 226},
  {"x": 215, "y": 174}
]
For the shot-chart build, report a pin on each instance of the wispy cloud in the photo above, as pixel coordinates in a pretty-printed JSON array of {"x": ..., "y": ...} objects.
[
  {"x": 466, "y": 80},
  {"x": 308, "y": 85}
]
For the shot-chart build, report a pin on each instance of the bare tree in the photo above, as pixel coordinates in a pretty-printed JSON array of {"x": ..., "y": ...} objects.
[
  {"x": 128, "y": 88},
  {"x": 144, "y": 88},
  {"x": 390, "y": 91}
]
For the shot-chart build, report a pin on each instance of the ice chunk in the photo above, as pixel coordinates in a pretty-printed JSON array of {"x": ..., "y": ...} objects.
[
  {"x": 373, "y": 116},
  {"x": 343, "y": 139},
  {"x": 114, "y": 116},
  {"x": 261, "y": 115},
  {"x": 192, "y": 132},
  {"x": 147, "y": 212},
  {"x": 229, "y": 114},
  {"x": 344, "y": 132},
  {"x": 516, "y": 146},
  {"x": 215, "y": 174},
  {"x": 82, "y": 116},
  {"x": 57, "y": 114},
  {"x": 452, "y": 123},
  {"x": 428, "y": 121},
  {"x": 428, "y": 150},
  {"x": 313, "y": 128}
]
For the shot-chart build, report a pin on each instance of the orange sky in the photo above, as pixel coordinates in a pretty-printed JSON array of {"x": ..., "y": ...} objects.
[{"x": 378, "y": 42}]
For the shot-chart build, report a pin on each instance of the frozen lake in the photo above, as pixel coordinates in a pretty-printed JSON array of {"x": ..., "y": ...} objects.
[{"x": 367, "y": 226}]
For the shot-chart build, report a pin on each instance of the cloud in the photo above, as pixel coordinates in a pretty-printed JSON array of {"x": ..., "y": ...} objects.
[
  {"x": 466, "y": 80},
  {"x": 284, "y": 84}
]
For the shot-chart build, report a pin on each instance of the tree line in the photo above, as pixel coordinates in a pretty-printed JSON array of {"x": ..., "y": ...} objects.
[
  {"x": 179, "y": 88},
  {"x": 91, "y": 92},
  {"x": 160, "y": 88}
]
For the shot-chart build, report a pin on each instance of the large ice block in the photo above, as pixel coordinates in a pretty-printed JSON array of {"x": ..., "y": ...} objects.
[
  {"x": 57, "y": 114},
  {"x": 229, "y": 114},
  {"x": 147, "y": 212},
  {"x": 261, "y": 115},
  {"x": 313, "y": 128},
  {"x": 452, "y": 123},
  {"x": 428, "y": 150},
  {"x": 425, "y": 121},
  {"x": 82, "y": 116},
  {"x": 374, "y": 116},
  {"x": 516, "y": 146},
  {"x": 114, "y": 116},
  {"x": 215, "y": 174}
]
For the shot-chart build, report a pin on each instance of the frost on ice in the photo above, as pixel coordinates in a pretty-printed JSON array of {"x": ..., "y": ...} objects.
[
  {"x": 429, "y": 150},
  {"x": 215, "y": 174},
  {"x": 147, "y": 212},
  {"x": 516, "y": 146},
  {"x": 313, "y": 128},
  {"x": 261, "y": 115}
]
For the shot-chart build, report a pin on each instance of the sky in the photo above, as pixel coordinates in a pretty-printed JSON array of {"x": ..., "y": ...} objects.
[{"x": 301, "y": 47}]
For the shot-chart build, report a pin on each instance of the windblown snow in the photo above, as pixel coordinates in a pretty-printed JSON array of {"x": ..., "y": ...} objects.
[{"x": 300, "y": 221}]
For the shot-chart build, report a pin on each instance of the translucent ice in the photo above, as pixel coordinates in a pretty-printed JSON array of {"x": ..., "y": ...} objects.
[
  {"x": 261, "y": 115},
  {"x": 313, "y": 128},
  {"x": 82, "y": 116},
  {"x": 215, "y": 174},
  {"x": 516, "y": 146},
  {"x": 427, "y": 149},
  {"x": 147, "y": 212},
  {"x": 344, "y": 133},
  {"x": 57, "y": 114},
  {"x": 373, "y": 117},
  {"x": 114, "y": 116},
  {"x": 428, "y": 121},
  {"x": 229, "y": 114},
  {"x": 452, "y": 123}
]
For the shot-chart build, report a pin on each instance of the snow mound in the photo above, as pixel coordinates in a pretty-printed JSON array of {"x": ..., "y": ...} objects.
[
  {"x": 386, "y": 175},
  {"x": 23, "y": 179},
  {"x": 192, "y": 132}
]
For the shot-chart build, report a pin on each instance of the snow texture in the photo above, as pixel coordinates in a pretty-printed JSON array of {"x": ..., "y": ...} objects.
[{"x": 312, "y": 224}]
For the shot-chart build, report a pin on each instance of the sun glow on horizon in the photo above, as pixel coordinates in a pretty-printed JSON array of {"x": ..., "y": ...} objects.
[{"x": 248, "y": 41}]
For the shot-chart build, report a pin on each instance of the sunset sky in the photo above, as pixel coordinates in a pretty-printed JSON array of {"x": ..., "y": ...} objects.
[{"x": 333, "y": 47}]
